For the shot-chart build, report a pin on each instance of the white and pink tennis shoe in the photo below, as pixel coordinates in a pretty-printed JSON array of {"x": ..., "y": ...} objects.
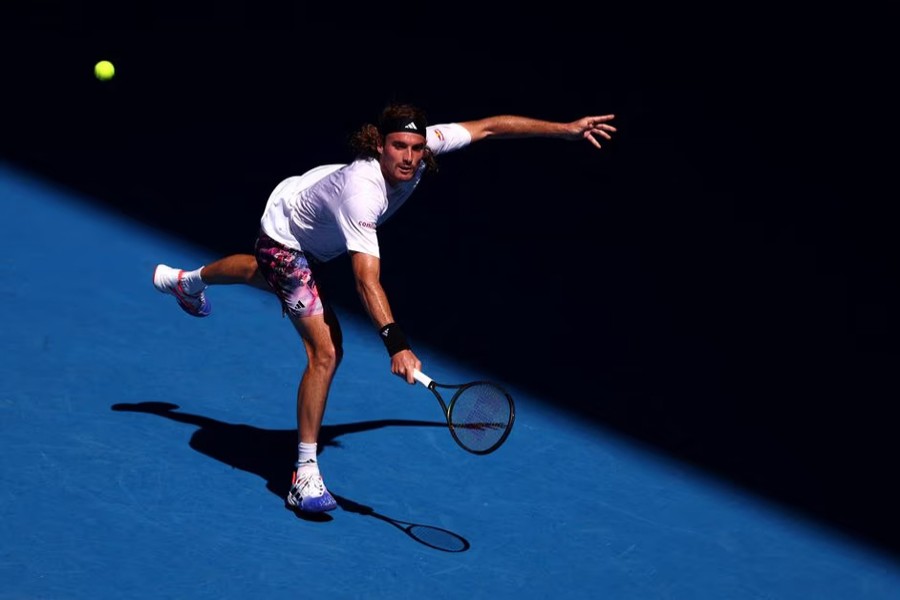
[{"x": 170, "y": 281}]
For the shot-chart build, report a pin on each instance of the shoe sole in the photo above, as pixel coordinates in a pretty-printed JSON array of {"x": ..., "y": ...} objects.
[{"x": 323, "y": 503}]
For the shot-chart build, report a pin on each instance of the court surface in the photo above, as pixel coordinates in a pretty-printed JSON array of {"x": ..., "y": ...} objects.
[{"x": 146, "y": 455}]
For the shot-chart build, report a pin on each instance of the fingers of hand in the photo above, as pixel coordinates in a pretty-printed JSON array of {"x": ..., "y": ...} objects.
[
  {"x": 409, "y": 369},
  {"x": 589, "y": 137},
  {"x": 599, "y": 125},
  {"x": 601, "y": 128}
]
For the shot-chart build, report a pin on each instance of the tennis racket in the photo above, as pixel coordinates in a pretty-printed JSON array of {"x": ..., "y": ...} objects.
[{"x": 480, "y": 414}]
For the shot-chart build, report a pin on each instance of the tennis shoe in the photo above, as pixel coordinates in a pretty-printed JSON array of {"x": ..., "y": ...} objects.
[
  {"x": 308, "y": 492},
  {"x": 169, "y": 281}
]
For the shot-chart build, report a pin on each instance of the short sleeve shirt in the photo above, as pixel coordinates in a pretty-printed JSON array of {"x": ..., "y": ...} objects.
[{"x": 337, "y": 208}]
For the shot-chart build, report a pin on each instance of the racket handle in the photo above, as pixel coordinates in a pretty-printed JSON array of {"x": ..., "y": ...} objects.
[{"x": 422, "y": 377}]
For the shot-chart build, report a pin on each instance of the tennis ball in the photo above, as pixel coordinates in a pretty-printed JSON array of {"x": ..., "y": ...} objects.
[{"x": 104, "y": 70}]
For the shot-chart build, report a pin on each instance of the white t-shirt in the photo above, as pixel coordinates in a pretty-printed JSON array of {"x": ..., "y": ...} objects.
[{"x": 337, "y": 208}]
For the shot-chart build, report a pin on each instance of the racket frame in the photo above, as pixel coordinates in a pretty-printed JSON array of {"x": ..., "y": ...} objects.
[{"x": 447, "y": 407}]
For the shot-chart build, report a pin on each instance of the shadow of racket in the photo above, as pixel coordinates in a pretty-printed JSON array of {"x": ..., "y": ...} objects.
[{"x": 433, "y": 537}]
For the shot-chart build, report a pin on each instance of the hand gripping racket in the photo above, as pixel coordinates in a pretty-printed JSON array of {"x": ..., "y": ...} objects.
[{"x": 480, "y": 414}]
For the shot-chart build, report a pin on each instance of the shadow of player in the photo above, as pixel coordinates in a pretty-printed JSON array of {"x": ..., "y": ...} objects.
[{"x": 269, "y": 454}]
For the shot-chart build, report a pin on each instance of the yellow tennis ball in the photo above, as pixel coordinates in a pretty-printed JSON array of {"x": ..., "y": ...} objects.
[{"x": 104, "y": 70}]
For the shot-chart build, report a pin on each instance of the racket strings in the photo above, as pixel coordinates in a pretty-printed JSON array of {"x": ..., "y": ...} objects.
[{"x": 480, "y": 416}]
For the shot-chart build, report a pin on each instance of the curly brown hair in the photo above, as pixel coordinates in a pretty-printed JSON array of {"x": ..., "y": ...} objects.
[{"x": 365, "y": 140}]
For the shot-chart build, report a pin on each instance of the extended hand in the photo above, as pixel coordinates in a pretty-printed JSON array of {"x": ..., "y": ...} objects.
[{"x": 591, "y": 127}]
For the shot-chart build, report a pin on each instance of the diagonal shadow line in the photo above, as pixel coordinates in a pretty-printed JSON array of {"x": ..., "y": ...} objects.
[{"x": 268, "y": 453}]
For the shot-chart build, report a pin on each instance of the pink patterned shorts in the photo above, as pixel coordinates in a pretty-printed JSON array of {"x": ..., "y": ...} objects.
[{"x": 289, "y": 274}]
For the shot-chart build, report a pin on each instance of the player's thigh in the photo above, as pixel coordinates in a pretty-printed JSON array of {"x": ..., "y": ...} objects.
[{"x": 321, "y": 333}]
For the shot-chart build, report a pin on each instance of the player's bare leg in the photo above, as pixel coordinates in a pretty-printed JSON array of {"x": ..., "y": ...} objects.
[
  {"x": 322, "y": 339},
  {"x": 234, "y": 269}
]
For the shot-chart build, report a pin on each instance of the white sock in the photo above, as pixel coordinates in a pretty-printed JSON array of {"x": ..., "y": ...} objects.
[
  {"x": 192, "y": 282},
  {"x": 306, "y": 454}
]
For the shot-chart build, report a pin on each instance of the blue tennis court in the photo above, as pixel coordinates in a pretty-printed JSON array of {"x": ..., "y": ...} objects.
[{"x": 146, "y": 455}]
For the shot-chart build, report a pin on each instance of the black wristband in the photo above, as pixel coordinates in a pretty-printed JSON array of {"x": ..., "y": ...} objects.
[{"x": 394, "y": 339}]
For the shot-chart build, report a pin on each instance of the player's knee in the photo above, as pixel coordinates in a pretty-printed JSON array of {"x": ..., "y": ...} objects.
[{"x": 326, "y": 359}]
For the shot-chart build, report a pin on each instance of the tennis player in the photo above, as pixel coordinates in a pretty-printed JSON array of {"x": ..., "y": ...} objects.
[{"x": 332, "y": 209}]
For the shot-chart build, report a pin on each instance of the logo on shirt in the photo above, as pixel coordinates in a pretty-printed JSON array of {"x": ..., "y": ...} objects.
[
  {"x": 366, "y": 224},
  {"x": 439, "y": 135}
]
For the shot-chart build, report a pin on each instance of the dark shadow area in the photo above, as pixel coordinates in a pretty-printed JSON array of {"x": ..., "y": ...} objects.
[
  {"x": 718, "y": 282},
  {"x": 270, "y": 454},
  {"x": 267, "y": 453}
]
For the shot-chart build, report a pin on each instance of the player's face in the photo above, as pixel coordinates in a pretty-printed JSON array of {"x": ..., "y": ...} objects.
[{"x": 400, "y": 156}]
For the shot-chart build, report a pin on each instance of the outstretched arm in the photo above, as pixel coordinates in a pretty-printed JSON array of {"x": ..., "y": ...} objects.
[
  {"x": 367, "y": 271},
  {"x": 512, "y": 126}
]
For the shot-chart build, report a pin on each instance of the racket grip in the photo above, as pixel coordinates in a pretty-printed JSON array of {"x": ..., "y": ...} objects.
[{"x": 422, "y": 377}]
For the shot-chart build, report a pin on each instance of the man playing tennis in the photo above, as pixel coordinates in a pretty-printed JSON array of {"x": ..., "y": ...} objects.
[{"x": 333, "y": 209}]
